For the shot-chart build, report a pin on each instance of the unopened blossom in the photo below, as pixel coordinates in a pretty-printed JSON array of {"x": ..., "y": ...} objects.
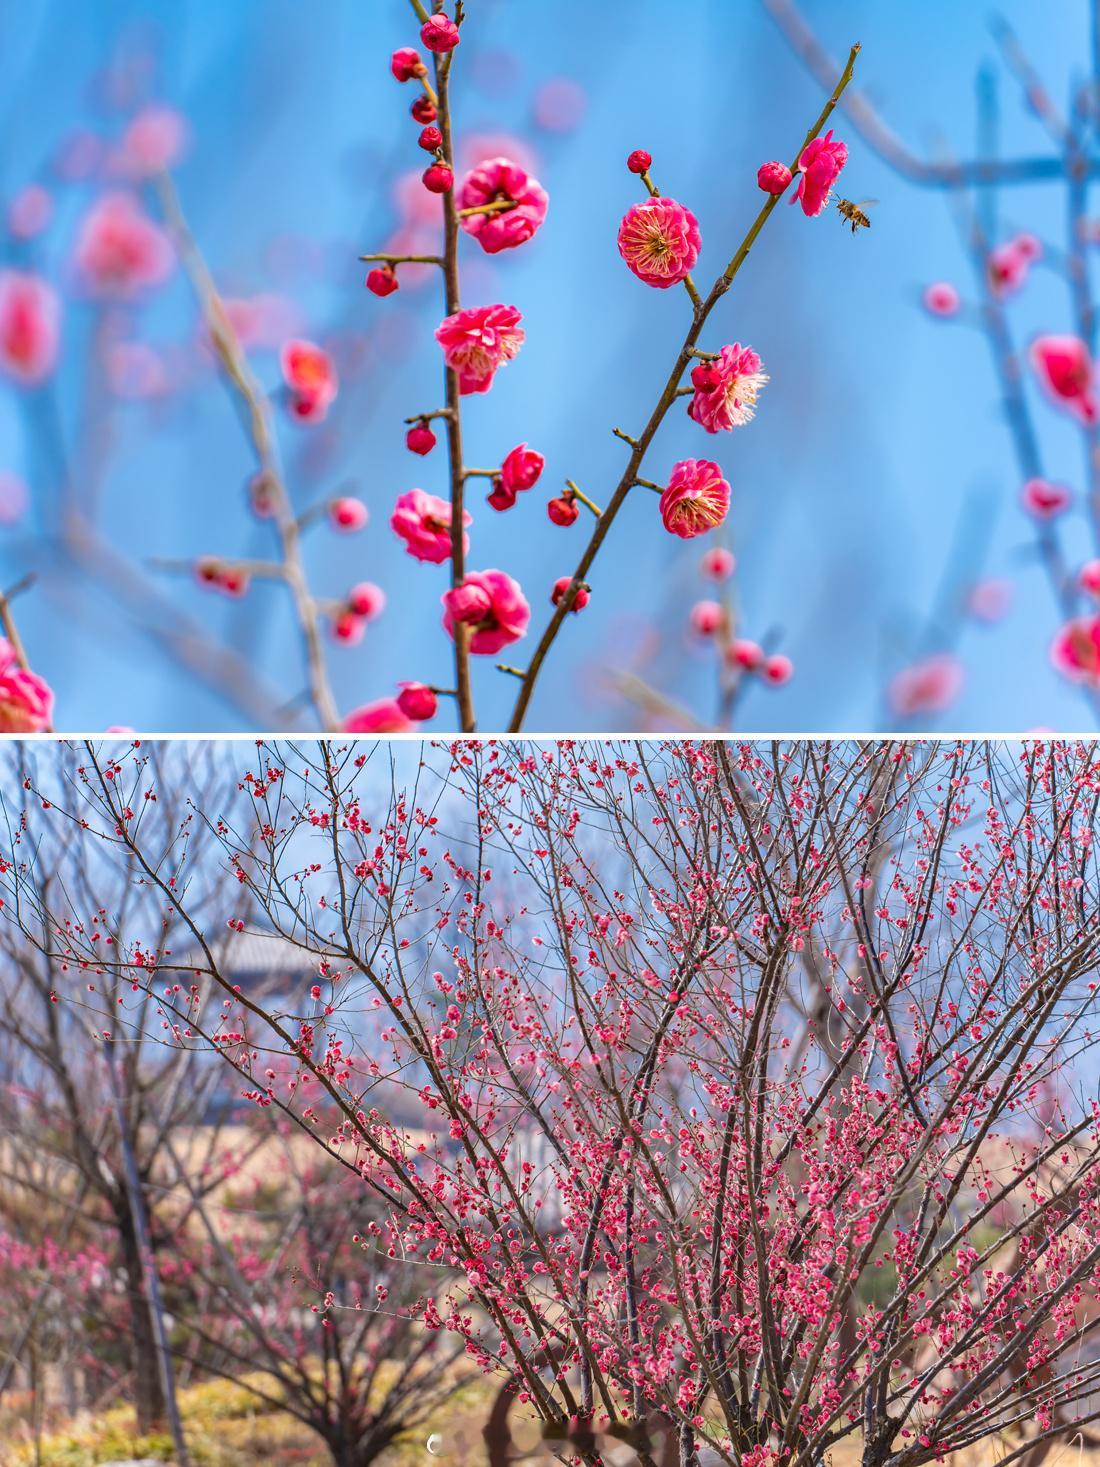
[
  {"x": 417, "y": 701},
  {"x": 384, "y": 715},
  {"x": 928, "y": 686},
  {"x": 347, "y": 628},
  {"x": 366, "y": 600},
  {"x": 476, "y": 342},
  {"x": 941, "y": 299},
  {"x": 430, "y": 139},
  {"x": 696, "y": 500},
  {"x": 639, "y": 161},
  {"x": 706, "y": 617},
  {"x": 26, "y": 700},
  {"x": 580, "y": 600},
  {"x": 420, "y": 438},
  {"x": 1010, "y": 262},
  {"x": 1064, "y": 366},
  {"x": 30, "y": 315},
  {"x": 310, "y": 376},
  {"x": 347, "y": 513},
  {"x": 745, "y": 654},
  {"x": 222, "y": 575},
  {"x": 501, "y": 496},
  {"x": 563, "y": 510},
  {"x": 1075, "y": 651},
  {"x": 989, "y": 600},
  {"x": 439, "y": 33},
  {"x": 777, "y": 669},
  {"x": 522, "y": 468},
  {"x": 382, "y": 282},
  {"x": 1044, "y": 500},
  {"x": 726, "y": 389},
  {"x": 718, "y": 563},
  {"x": 154, "y": 141},
  {"x": 406, "y": 63},
  {"x": 423, "y": 521},
  {"x": 438, "y": 178},
  {"x": 774, "y": 177},
  {"x": 1088, "y": 577},
  {"x": 819, "y": 166},
  {"x": 424, "y": 110},
  {"x": 120, "y": 251},
  {"x": 499, "y": 180},
  {"x": 659, "y": 240},
  {"x": 492, "y": 604}
]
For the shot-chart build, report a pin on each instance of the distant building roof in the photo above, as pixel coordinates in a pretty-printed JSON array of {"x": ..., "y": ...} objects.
[{"x": 256, "y": 956}]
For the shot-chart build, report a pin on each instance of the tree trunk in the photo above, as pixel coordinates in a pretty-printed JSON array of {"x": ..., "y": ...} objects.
[{"x": 149, "y": 1401}]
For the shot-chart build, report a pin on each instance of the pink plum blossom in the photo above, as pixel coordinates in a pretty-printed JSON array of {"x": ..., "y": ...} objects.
[
  {"x": 26, "y": 700},
  {"x": 726, "y": 389},
  {"x": 423, "y": 521},
  {"x": 1075, "y": 651},
  {"x": 522, "y": 468},
  {"x": 311, "y": 378},
  {"x": 706, "y": 618},
  {"x": 696, "y": 500},
  {"x": 29, "y": 326},
  {"x": 492, "y": 604},
  {"x": 718, "y": 563},
  {"x": 941, "y": 299},
  {"x": 819, "y": 168},
  {"x": 1044, "y": 500},
  {"x": 154, "y": 141},
  {"x": 417, "y": 701},
  {"x": 928, "y": 686},
  {"x": 659, "y": 240},
  {"x": 476, "y": 342},
  {"x": 384, "y": 715},
  {"x": 347, "y": 513},
  {"x": 500, "y": 180},
  {"x": 120, "y": 251},
  {"x": 1064, "y": 367}
]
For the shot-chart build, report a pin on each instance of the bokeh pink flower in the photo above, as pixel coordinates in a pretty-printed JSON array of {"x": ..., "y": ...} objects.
[{"x": 30, "y": 326}]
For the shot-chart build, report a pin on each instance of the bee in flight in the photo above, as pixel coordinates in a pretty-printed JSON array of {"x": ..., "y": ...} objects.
[{"x": 853, "y": 214}]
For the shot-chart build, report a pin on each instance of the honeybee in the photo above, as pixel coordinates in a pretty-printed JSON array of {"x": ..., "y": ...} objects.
[{"x": 853, "y": 214}]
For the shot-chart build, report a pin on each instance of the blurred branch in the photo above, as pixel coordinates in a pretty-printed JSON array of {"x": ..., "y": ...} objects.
[
  {"x": 235, "y": 365},
  {"x": 982, "y": 172}
]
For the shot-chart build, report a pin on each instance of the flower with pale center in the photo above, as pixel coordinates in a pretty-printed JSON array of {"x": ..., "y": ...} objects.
[
  {"x": 478, "y": 341},
  {"x": 819, "y": 168},
  {"x": 492, "y": 604},
  {"x": 500, "y": 181},
  {"x": 697, "y": 498},
  {"x": 659, "y": 240},
  {"x": 726, "y": 389},
  {"x": 26, "y": 700},
  {"x": 423, "y": 521}
]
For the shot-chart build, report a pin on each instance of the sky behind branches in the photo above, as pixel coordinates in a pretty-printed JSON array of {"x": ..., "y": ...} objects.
[{"x": 878, "y": 432}]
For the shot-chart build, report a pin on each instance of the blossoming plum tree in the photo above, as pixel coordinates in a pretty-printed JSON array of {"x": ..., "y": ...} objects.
[{"x": 751, "y": 1085}]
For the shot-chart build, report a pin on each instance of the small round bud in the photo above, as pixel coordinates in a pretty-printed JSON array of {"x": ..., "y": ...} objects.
[
  {"x": 639, "y": 161},
  {"x": 420, "y": 439},
  {"x": 561, "y": 585},
  {"x": 439, "y": 33},
  {"x": 382, "y": 282},
  {"x": 745, "y": 654},
  {"x": 430, "y": 139},
  {"x": 424, "y": 110},
  {"x": 417, "y": 701},
  {"x": 347, "y": 513},
  {"x": 438, "y": 179},
  {"x": 777, "y": 669},
  {"x": 366, "y": 600},
  {"x": 405, "y": 63},
  {"x": 773, "y": 177},
  {"x": 563, "y": 510}
]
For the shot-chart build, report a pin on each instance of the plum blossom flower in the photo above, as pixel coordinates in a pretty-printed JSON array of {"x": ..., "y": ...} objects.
[
  {"x": 941, "y": 299},
  {"x": 718, "y": 564},
  {"x": 659, "y": 240},
  {"x": 478, "y": 341},
  {"x": 347, "y": 514},
  {"x": 777, "y": 669},
  {"x": 706, "y": 618},
  {"x": 154, "y": 140},
  {"x": 310, "y": 377},
  {"x": 120, "y": 251},
  {"x": 990, "y": 599},
  {"x": 773, "y": 177},
  {"x": 492, "y": 604},
  {"x": 500, "y": 180},
  {"x": 26, "y": 700},
  {"x": 726, "y": 389},
  {"x": 522, "y": 468},
  {"x": 1044, "y": 500},
  {"x": 1064, "y": 366},
  {"x": 29, "y": 326},
  {"x": 417, "y": 701},
  {"x": 366, "y": 600},
  {"x": 384, "y": 715},
  {"x": 1075, "y": 651},
  {"x": 696, "y": 500},
  {"x": 423, "y": 521},
  {"x": 928, "y": 686},
  {"x": 819, "y": 166}
]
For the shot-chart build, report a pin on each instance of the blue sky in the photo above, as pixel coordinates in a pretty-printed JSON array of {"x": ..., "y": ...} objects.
[{"x": 878, "y": 427}]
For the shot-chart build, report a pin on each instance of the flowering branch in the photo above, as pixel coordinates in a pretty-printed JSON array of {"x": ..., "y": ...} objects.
[{"x": 701, "y": 313}]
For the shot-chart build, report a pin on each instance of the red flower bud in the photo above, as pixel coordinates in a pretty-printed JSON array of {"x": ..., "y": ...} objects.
[
  {"x": 438, "y": 179},
  {"x": 563, "y": 510},
  {"x": 420, "y": 439},
  {"x": 639, "y": 161},
  {"x": 382, "y": 282},
  {"x": 417, "y": 701},
  {"x": 439, "y": 33},
  {"x": 424, "y": 110},
  {"x": 405, "y": 63},
  {"x": 430, "y": 139},
  {"x": 561, "y": 585}
]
